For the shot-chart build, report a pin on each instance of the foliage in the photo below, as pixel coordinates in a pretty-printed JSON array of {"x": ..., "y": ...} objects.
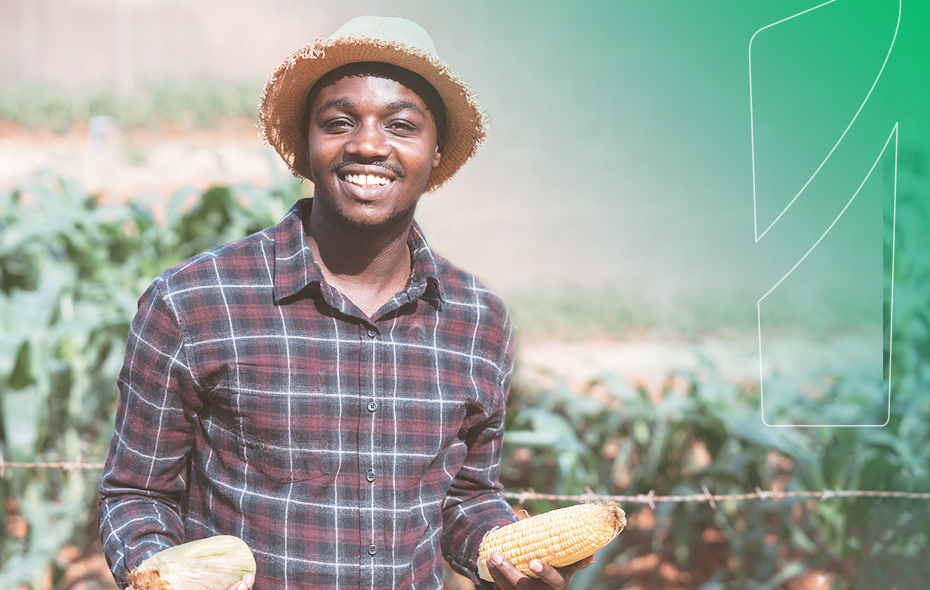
[
  {"x": 613, "y": 439},
  {"x": 201, "y": 103},
  {"x": 70, "y": 273}
]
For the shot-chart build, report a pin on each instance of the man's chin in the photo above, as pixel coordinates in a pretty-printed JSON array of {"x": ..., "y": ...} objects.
[
  {"x": 371, "y": 224},
  {"x": 378, "y": 227}
]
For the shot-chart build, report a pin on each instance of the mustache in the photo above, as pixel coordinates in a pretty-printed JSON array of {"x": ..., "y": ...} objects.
[{"x": 386, "y": 165}]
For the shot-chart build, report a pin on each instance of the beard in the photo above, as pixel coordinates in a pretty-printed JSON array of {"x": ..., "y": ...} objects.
[{"x": 395, "y": 224}]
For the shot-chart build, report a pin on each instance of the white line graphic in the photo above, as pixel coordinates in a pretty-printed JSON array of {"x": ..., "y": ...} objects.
[
  {"x": 894, "y": 133},
  {"x": 853, "y": 120},
  {"x": 758, "y": 236}
]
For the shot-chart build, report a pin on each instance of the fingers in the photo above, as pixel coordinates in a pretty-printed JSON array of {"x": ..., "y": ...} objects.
[
  {"x": 579, "y": 565},
  {"x": 244, "y": 584},
  {"x": 549, "y": 575},
  {"x": 506, "y": 575},
  {"x": 509, "y": 577},
  {"x": 558, "y": 577}
]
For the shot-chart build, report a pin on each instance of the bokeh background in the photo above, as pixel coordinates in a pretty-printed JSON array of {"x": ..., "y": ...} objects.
[{"x": 630, "y": 205}]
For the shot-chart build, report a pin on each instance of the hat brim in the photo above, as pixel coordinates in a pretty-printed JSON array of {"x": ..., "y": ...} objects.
[{"x": 283, "y": 97}]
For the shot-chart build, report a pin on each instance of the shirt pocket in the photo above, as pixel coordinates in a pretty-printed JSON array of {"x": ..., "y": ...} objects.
[{"x": 283, "y": 421}]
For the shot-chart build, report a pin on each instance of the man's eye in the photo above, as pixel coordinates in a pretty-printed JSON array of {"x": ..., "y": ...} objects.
[
  {"x": 336, "y": 124},
  {"x": 403, "y": 126}
]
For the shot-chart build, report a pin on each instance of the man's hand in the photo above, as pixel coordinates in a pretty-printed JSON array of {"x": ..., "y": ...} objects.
[
  {"x": 510, "y": 578},
  {"x": 244, "y": 584}
]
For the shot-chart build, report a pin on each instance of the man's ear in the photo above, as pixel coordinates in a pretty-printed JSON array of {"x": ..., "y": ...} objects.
[{"x": 437, "y": 156}]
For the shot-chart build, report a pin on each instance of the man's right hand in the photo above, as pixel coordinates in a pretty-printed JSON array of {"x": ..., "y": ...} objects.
[
  {"x": 244, "y": 584},
  {"x": 510, "y": 578}
]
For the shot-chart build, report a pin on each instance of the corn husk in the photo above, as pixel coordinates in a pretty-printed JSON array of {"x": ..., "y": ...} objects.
[{"x": 214, "y": 563}]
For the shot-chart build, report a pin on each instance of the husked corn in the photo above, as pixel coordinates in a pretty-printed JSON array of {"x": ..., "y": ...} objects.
[{"x": 559, "y": 537}]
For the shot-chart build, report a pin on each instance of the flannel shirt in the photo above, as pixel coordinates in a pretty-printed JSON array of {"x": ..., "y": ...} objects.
[{"x": 257, "y": 401}]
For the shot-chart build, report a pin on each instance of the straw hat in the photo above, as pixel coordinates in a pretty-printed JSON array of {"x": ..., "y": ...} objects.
[{"x": 365, "y": 39}]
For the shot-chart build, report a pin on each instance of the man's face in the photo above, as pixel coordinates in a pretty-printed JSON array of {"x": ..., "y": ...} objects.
[{"x": 372, "y": 144}]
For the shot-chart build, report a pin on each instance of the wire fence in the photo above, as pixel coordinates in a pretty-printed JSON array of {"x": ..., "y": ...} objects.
[
  {"x": 521, "y": 497},
  {"x": 64, "y": 465},
  {"x": 775, "y": 495}
]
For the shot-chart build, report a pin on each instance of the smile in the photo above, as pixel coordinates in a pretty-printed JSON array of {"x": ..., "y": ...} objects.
[{"x": 367, "y": 179}]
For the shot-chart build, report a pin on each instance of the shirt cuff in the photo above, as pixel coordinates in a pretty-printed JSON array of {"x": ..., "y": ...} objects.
[{"x": 463, "y": 557}]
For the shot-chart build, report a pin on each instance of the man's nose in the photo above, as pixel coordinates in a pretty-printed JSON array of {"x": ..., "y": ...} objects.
[{"x": 369, "y": 143}]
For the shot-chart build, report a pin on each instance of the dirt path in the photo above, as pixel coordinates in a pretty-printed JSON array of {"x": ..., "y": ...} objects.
[
  {"x": 736, "y": 359},
  {"x": 116, "y": 163}
]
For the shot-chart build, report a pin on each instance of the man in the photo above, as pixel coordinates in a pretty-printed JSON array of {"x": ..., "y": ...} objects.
[{"x": 328, "y": 390}]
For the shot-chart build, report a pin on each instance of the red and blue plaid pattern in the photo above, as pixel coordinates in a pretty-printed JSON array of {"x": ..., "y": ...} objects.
[{"x": 258, "y": 401}]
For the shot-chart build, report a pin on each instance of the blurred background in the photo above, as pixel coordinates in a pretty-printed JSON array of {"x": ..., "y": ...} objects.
[{"x": 653, "y": 202}]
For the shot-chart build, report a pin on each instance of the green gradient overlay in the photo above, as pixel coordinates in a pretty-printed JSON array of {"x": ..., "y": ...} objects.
[
  {"x": 622, "y": 133},
  {"x": 812, "y": 75}
]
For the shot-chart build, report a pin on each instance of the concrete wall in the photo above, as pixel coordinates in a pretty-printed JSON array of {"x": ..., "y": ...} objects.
[{"x": 125, "y": 42}]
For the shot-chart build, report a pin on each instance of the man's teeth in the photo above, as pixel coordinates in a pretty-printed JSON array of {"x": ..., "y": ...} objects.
[{"x": 367, "y": 179}]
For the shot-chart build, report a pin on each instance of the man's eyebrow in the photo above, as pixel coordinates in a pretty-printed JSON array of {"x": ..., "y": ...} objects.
[
  {"x": 402, "y": 105},
  {"x": 337, "y": 103},
  {"x": 348, "y": 103}
]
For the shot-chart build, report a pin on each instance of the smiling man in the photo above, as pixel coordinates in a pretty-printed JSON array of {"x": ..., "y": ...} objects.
[{"x": 329, "y": 390}]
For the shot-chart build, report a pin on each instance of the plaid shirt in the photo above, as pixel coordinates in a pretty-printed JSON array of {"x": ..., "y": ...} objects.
[{"x": 258, "y": 401}]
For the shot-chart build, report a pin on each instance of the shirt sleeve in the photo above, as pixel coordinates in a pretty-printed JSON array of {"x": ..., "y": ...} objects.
[
  {"x": 145, "y": 477},
  {"x": 474, "y": 505}
]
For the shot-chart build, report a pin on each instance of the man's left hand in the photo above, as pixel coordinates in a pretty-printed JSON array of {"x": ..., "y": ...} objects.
[
  {"x": 509, "y": 577},
  {"x": 244, "y": 584}
]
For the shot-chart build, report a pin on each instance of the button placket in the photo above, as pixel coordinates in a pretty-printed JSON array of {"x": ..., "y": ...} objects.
[{"x": 368, "y": 466}]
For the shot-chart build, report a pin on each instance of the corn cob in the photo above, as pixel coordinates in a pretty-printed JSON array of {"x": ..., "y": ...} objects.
[
  {"x": 559, "y": 537},
  {"x": 215, "y": 563}
]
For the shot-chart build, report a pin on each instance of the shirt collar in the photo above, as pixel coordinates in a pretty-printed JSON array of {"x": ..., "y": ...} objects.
[{"x": 295, "y": 267}]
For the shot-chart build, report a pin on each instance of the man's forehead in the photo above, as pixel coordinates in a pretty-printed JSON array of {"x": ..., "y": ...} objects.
[
  {"x": 373, "y": 70},
  {"x": 375, "y": 74},
  {"x": 350, "y": 91}
]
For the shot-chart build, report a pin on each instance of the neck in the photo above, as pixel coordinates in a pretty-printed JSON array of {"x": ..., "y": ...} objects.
[{"x": 366, "y": 264}]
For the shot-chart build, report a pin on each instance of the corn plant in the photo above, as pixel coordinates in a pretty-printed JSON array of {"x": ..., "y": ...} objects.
[
  {"x": 613, "y": 439},
  {"x": 203, "y": 104},
  {"x": 71, "y": 271},
  {"x": 704, "y": 432}
]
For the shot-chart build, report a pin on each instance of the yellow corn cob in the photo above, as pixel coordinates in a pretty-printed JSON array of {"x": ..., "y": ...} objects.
[
  {"x": 559, "y": 537},
  {"x": 214, "y": 563}
]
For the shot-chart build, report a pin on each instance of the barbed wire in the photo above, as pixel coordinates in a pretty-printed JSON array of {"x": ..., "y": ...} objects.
[
  {"x": 651, "y": 498},
  {"x": 64, "y": 465}
]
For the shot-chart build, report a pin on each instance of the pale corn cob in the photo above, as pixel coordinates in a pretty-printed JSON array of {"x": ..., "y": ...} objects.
[
  {"x": 559, "y": 537},
  {"x": 214, "y": 563}
]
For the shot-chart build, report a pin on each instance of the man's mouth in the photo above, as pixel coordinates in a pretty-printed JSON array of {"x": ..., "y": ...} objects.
[{"x": 367, "y": 180}]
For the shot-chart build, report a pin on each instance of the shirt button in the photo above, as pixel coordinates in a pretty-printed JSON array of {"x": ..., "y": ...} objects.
[
  {"x": 372, "y": 332},
  {"x": 372, "y": 406},
  {"x": 370, "y": 476},
  {"x": 372, "y": 549}
]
